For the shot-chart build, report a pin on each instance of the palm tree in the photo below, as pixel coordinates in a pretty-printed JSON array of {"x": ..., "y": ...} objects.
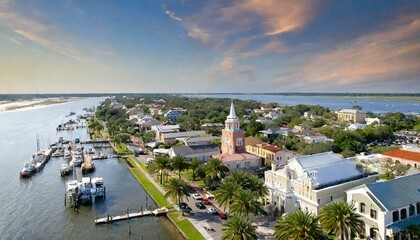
[
  {"x": 177, "y": 188},
  {"x": 226, "y": 194},
  {"x": 341, "y": 219},
  {"x": 256, "y": 185},
  {"x": 298, "y": 226},
  {"x": 240, "y": 228},
  {"x": 239, "y": 177},
  {"x": 245, "y": 202},
  {"x": 160, "y": 164},
  {"x": 194, "y": 164},
  {"x": 179, "y": 163},
  {"x": 215, "y": 170}
]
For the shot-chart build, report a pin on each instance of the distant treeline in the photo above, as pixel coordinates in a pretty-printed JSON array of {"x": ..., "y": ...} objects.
[{"x": 15, "y": 97}]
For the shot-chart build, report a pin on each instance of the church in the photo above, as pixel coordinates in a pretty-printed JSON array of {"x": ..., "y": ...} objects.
[{"x": 233, "y": 153}]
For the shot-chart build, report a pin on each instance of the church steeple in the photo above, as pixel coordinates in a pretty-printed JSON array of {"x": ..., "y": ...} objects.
[{"x": 232, "y": 121}]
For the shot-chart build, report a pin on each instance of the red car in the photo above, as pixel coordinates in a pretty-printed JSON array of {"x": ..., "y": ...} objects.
[
  {"x": 206, "y": 201},
  {"x": 222, "y": 215}
]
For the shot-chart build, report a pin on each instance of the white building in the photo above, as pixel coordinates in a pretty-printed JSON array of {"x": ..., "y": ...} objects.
[
  {"x": 310, "y": 182},
  {"x": 355, "y": 126},
  {"x": 202, "y": 152},
  {"x": 372, "y": 120},
  {"x": 317, "y": 138},
  {"x": 387, "y": 208}
]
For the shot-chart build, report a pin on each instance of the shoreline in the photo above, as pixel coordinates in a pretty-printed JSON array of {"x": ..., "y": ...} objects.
[{"x": 32, "y": 104}]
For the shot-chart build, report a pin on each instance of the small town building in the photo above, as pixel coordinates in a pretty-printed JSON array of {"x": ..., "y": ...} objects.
[
  {"x": 233, "y": 153},
  {"x": 406, "y": 155},
  {"x": 271, "y": 154},
  {"x": 309, "y": 114},
  {"x": 172, "y": 137},
  {"x": 351, "y": 115},
  {"x": 173, "y": 115},
  {"x": 387, "y": 208},
  {"x": 317, "y": 138},
  {"x": 370, "y": 121},
  {"x": 355, "y": 126},
  {"x": 310, "y": 182},
  {"x": 201, "y": 152},
  {"x": 193, "y": 141}
]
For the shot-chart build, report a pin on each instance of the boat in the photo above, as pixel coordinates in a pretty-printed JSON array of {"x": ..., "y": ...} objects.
[
  {"x": 58, "y": 153},
  {"x": 70, "y": 114},
  {"x": 27, "y": 170},
  {"x": 72, "y": 192},
  {"x": 91, "y": 151},
  {"x": 86, "y": 191},
  {"x": 99, "y": 188},
  {"x": 65, "y": 169},
  {"x": 67, "y": 154},
  {"x": 77, "y": 160}
]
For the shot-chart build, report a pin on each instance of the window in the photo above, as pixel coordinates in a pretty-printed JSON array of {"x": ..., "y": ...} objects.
[
  {"x": 319, "y": 201},
  {"x": 395, "y": 216},
  {"x": 362, "y": 233},
  {"x": 331, "y": 198},
  {"x": 411, "y": 210},
  {"x": 418, "y": 208},
  {"x": 362, "y": 207},
  {"x": 403, "y": 213},
  {"x": 372, "y": 233},
  {"x": 373, "y": 214}
]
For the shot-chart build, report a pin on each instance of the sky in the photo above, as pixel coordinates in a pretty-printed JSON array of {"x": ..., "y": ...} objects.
[{"x": 205, "y": 46}]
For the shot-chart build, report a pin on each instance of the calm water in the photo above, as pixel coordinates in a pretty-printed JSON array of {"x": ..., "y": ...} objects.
[
  {"x": 368, "y": 105},
  {"x": 34, "y": 208}
]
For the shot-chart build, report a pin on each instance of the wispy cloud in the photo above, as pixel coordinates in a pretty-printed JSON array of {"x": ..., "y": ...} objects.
[
  {"x": 173, "y": 16},
  {"x": 371, "y": 59}
]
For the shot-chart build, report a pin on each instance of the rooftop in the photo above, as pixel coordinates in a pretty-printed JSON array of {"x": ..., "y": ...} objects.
[
  {"x": 186, "y": 150},
  {"x": 235, "y": 157},
  {"x": 252, "y": 141},
  {"x": 183, "y": 134},
  {"x": 404, "y": 154},
  {"x": 396, "y": 193}
]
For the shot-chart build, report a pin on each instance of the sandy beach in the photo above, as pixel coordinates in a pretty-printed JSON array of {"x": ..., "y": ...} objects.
[{"x": 25, "y": 105}]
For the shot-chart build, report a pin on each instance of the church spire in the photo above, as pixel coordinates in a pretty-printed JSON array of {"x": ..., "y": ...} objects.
[{"x": 232, "y": 113}]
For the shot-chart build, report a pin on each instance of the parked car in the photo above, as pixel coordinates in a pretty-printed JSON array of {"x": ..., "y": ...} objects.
[
  {"x": 149, "y": 160},
  {"x": 209, "y": 195},
  {"x": 205, "y": 201},
  {"x": 212, "y": 210},
  {"x": 185, "y": 207},
  {"x": 196, "y": 196},
  {"x": 222, "y": 215},
  {"x": 200, "y": 205}
]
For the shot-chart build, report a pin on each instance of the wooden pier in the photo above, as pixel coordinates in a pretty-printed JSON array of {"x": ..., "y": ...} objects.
[
  {"x": 99, "y": 140},
  {"x": 129, "y": 215},
  {"x": 87, "y": 165}
]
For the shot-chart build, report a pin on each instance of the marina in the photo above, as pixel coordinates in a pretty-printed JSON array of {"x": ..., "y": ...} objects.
[{"x": 35, "y": 222}]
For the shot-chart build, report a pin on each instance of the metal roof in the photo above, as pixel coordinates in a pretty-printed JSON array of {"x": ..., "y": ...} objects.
[
  {"x": 397, "y": 193},
  {"x": 187, "y": 150}
]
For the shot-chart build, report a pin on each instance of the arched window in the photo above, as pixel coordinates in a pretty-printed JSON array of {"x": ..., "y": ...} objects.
[
  {"x": 395, "y": 216},
  {"x": 403, "y": 213},
  {"x": 411, "y": 210},
  {"x": 418, "y": 208}
]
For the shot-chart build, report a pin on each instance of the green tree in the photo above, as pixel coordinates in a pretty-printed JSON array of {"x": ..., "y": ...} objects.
[
  {"x": 298, "y": 226},
  {"x": 239, "y": 228},
  {"x": 341, "y": 219},
  {"x": 194, "y": 164},
  {"x": 177, "y": 189},
  {"x": 225, "y": 195},
  {"x": 179, "y": 163},
  {"x": 245, "y": 202},
  {"x": 161, "y": 164},
  {"x": 215, "y": 171}
]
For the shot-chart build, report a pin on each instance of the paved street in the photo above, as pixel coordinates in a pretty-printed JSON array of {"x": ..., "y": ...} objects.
[{"x": 199, "y": 217}]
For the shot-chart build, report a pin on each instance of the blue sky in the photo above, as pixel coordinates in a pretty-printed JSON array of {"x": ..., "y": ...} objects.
[{"x": 261, "y": 46}]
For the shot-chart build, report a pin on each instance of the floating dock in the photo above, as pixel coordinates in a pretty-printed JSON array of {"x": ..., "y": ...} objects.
[{"x": 129, "y": 215}]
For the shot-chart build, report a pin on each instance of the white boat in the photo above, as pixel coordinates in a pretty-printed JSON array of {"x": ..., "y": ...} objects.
[
  {"x": 67, "y": 154},
  {"x": 77, "y": 160},
  {"x": 99, "y": 188},
  {"x": 72, "y": 192},
  {"x": 65, "y": 169},
  {"x": 86, "y": 191},
  {"x": 27, "y": 170}
]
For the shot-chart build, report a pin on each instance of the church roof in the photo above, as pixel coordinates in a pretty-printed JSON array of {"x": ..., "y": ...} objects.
[{"x": 232, "y": 118}]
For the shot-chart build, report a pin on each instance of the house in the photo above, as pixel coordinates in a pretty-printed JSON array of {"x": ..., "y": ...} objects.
[
  {"x": 273, "y": 115},
  {"x": 351, "y": 115},
  {"x": 309, "y": 114},
  {"x": 173, "y": 136},
  {"x": 216, "y": 126},
  {"x": 407, "y": 156},
  {"x": 159, "y": 129},
  {"x": 271, "y": 154},
  {"x": 372, "y": 120},
  {"x": 174, "y": 114},
  {"x": 355, "y": 126},
  {"x": 159, "y": 100},
  {"x": 192, "y": 141},
  {"x": 156, "y": 111},
  {"x": 387, "y": 208},
  {"x": 266, "y": 108},
  {"x": 116, "y": 104},
  {"x": 148, "y": 122},
  {"x": 202, "y": 152},
  {"x": 317, "y": 138},
  {"x": 233, "y": 144},
  {"x": 264, "y": 121},
  {"x": 134, "y": 111},
  {"x": 274, "y": 132},
  {"x": 310, "y": 182}
]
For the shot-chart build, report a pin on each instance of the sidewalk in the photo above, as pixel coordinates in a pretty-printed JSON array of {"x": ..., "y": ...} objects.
[{"x": 196, "y": 224}]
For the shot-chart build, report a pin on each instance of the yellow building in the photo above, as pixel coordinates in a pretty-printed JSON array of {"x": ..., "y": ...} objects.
[{"x": 351, "y": 115}]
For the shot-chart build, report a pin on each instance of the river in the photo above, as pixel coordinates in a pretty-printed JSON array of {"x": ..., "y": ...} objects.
[
  {"x": 376, "y": 105},
  {"x": 34, "y": 208}
]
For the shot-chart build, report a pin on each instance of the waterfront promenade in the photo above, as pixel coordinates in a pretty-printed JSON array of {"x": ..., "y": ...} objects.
[{"x": 195, "y": 223}]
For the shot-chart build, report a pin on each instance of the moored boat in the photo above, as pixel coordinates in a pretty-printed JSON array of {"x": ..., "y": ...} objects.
[
  {"x": 27, "y": 170},
  {"x": 65, "y": 169}
]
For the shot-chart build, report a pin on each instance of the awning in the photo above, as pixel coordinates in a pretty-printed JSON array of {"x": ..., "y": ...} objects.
[{"x": 402, "y": 225}]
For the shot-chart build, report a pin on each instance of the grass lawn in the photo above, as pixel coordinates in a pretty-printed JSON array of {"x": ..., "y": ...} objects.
[
  {"x": 186, "y": 226},
  {"x": 150, "y": 188},
  {"x": 187, "y": 175}
]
